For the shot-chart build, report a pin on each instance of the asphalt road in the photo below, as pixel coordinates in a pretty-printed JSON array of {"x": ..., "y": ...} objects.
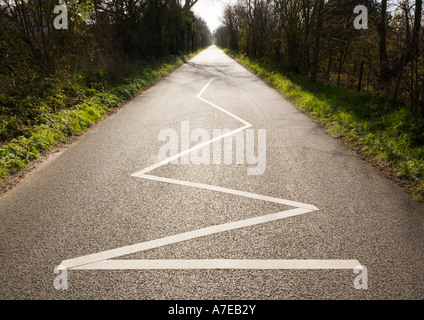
[{"x": 87, "y": 200}]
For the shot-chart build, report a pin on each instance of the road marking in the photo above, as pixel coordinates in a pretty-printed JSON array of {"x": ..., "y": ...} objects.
[
  {"x": 229, "y": 191},
  {"x": 103, "y": 260},
  {"x": 221, "y": 264},
  {"x": 247, "y": 125},
  {"x": 152, "y": 244},
  {"x": 140, "y": 173},
  {"x": 199, "y": 96}
]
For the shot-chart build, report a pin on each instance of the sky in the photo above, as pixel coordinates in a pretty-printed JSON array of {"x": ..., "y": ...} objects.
[{"x": 210, "y": 11}]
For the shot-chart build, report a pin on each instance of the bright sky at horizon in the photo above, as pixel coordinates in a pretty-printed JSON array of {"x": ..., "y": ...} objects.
[{"x": 210, "y": 11}]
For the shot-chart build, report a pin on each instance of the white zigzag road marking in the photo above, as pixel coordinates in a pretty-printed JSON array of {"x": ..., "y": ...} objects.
[
  {"x": 101, "y": 260},
  {"x": 220, "y": 264}
]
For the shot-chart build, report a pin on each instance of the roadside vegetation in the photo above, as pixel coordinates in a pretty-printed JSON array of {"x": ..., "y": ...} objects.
[
  {"x": 52, "y": 110},
  {"x": 380, "y": 129},
  {"x": 56, "y": 82},
  {"x": 364, "y": 83}
]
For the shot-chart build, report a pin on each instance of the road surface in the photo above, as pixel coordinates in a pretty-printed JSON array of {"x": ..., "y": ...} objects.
[{"x": 111, "y": 217}]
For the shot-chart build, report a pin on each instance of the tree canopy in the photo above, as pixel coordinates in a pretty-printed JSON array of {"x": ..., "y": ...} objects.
[{"x": 318, "y": 38}]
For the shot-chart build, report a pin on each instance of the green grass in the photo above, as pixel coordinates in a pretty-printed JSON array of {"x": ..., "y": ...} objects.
[
  {"x": 49, "y": 111},
  {"x": 381, "y": 129}
]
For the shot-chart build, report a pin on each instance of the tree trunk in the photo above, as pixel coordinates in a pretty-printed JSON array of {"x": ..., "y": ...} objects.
[
  {"x": 330, "y": 60},
  {"x": 361, "y": 72},
  {"x": 315, "y": 57},
  {"x": 382, "y": 46},
  {"x": 411, "y": 51},
  {"x": 306, "y": 14}
]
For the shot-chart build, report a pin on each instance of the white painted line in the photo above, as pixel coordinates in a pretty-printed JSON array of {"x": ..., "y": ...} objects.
[
  {"x": 204, "y": 88},
  {"x": 229, "y": 191},
  {"x": 199, "y": 96},
  {"x": 201, "y": 145},
  {"x": 225, "y": 111},
  {"x": 196, "y": 147},
  {"x": 221, "y": 264},
  {"x": 114, "y": 253},
  {"x": 101, "y": 260}
]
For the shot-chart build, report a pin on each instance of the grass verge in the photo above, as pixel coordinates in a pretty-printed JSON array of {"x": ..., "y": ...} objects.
[
  {"x": 50, "y": 111},
  {"x": 383, "y": 132}
]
